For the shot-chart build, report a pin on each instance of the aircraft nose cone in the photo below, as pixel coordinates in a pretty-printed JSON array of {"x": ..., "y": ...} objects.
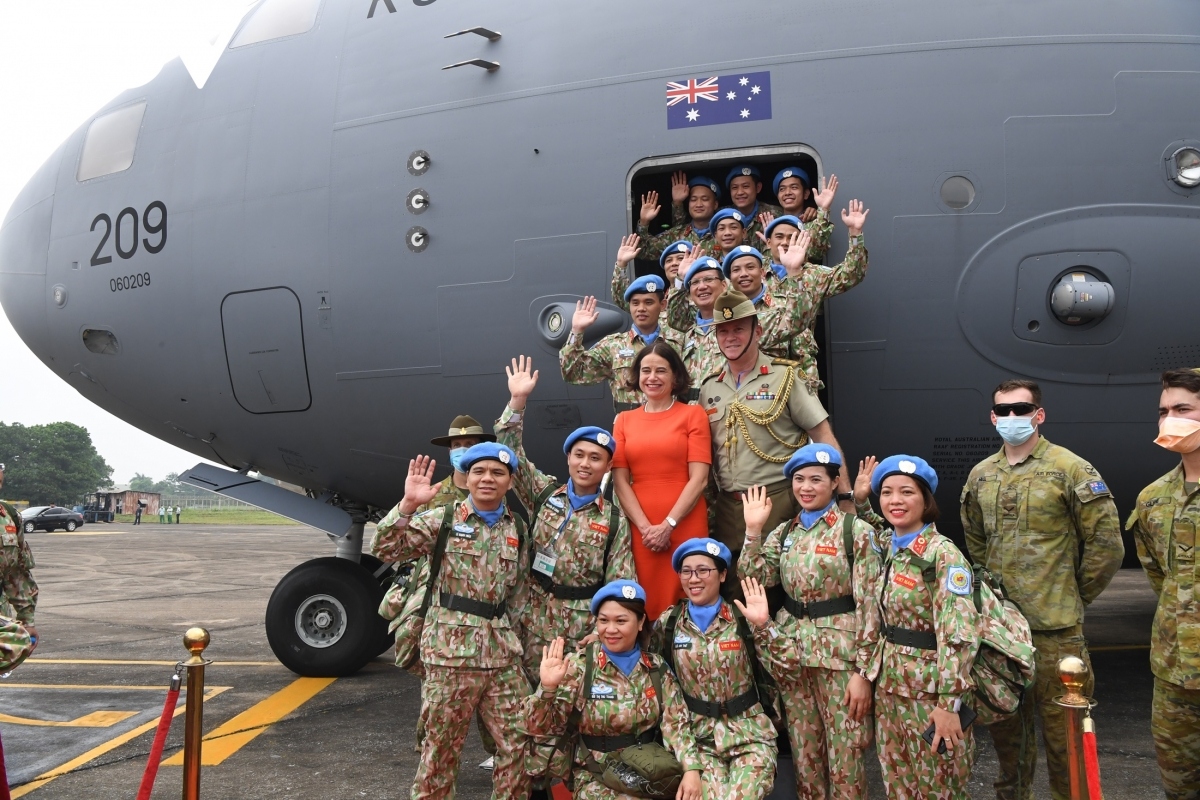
[{"x": 24, "y": 242}]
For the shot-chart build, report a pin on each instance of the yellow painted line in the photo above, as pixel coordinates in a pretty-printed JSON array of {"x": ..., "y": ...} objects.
[
  {"x": 96, "y": 719},
  {"x": 93, "y": 686},
  {"x": 99, "y": 750},
  {"x": 1114, "y": 647},
  {"x": 235, "y": 734},
  {"x": 127, "y": 662},
  {"x": 86, "y": 533}
]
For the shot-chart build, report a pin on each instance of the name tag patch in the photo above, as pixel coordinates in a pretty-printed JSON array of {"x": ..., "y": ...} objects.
[
  {"x": 601, "y": 691},
  {"x": 464, "y": 531},
  {"x": 826, "y": 550},
  {"x": 556, "y": 502},
  {"x": 597, "y": 527},
  {"x": 682, "y": 642},
  {"x": 730, "y": 646},
  {"x": 625, "y": 353},
  {"x": 905, "y": 581}
]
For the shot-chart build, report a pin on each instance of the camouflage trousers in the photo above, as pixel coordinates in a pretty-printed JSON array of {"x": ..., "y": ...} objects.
[
  {"x": 1016, "y": 737},
  {"x": 744, "y": 772},
  {"x": 1175, "y": 723},
  {"x": 827, "y": 746},
  {"x": 15, "y": 644},
  {"x": 451, "y": 695},
  {"x": 912, "y": 770}
]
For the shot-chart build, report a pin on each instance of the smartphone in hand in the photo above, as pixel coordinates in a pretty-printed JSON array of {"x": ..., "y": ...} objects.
[{"x": 966, "y": 716}]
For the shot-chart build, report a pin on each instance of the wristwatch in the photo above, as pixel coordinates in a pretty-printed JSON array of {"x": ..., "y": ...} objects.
[
  {"x": 845, "y": 496},
  {"x": 672, "y": 522}
]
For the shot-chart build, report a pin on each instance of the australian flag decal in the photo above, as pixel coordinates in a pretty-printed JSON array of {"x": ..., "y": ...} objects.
[{"x": 740, "y": 97}]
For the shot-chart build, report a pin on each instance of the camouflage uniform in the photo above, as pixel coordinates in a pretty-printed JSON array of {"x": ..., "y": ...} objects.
[
  {"x": 653, "y": 245},
  {"x": 1049, "y": 528},
  {"x": 754, "y": 226},
  {"x": 911, "y": 681},
  {"x": 389, "y": 538},
  {"x": 1164, "y": 524},
  {"x": 577, "y": 540},
  {"x": 471, "y": 662},
  {"x": 813, "y": 659},
  {"x": 617, "y": 705},
  {"x": 623, "y": 276},
  {"x": 18, "y": 591},
  {"x": 821, "y": 231},
  {"x": 738, "y": 751},
  {"x": 609, "y": 360}
]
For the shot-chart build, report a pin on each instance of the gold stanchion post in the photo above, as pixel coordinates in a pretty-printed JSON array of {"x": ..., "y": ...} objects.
[
  {"x": 195, "y": 640},
  {"x": 1073, "y": 672}
]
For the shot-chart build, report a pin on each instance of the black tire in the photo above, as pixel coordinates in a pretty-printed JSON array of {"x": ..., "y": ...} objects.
[
  {"x": 339, "y": 600},
  {"x": 29, "y": 527},
  {"x": 373, "y": 565},
  {"x": 71, "y": 525}
]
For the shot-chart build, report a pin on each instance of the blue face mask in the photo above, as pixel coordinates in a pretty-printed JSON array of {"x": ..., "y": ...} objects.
[
  {"x": 456, "y": 457},
  {"x": 1015, "y": 430}
]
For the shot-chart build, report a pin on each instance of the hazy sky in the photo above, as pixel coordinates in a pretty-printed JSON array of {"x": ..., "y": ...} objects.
[{"x": 60, "y": 61}]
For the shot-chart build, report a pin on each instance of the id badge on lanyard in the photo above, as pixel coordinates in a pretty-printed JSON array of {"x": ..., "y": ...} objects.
[{"x": 545, "y": 558}]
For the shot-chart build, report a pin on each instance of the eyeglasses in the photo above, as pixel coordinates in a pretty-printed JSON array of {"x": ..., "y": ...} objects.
[
  {"x": 1020, "y": 409},
  {"x": 700, "y": 572},
  {"x": 704, "y": 281}
]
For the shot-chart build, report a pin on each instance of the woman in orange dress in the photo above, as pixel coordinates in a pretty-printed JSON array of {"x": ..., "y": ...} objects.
[{"x": 660, "y": 469}]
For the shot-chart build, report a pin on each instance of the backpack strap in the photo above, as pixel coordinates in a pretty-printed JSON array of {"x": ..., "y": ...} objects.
[
  {"x": 761, "y": 676},
  {"x": 668, "y": 640},
  {"x": 848, "y": 538},
  {"x": 924, "y": 640},
  {"x": 435, "y": 560}
]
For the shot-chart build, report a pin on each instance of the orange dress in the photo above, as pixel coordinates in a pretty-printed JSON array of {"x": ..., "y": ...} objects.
[{"x": 656, "y": 449}]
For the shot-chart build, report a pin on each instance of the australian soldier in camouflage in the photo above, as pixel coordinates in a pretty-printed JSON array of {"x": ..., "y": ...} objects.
[
  {"x": 470, "y": 646},
  {"x": 1164, "y": 524},
  {"x": 1048, "y": 526},
  {"x": 18, "y": 590}
]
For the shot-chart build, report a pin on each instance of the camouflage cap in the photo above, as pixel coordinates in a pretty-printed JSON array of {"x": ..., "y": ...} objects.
[
  {"x": 733, "y": 305},
  {"x": 463, "y": 426}
]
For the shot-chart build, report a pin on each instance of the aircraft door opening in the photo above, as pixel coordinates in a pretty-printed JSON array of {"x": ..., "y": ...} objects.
[{"x": 264, "y": 349}]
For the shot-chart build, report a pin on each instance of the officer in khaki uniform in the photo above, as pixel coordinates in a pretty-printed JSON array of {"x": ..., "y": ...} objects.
[
  {"x": 18, "y": 591},
  {"x": 1044, "y": 520},
  {"x": 1164, "y": 524},
  {"x": 761, "y": 410}
]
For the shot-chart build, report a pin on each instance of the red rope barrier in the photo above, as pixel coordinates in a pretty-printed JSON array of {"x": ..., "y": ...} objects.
[
  {"x": 4, "y": 795},
  {"x": 1091, "y": 760},
  {"x": 160, "y": 739}
]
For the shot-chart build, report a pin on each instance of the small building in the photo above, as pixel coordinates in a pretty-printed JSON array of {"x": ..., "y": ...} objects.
[{"x": 125, "y": 501}]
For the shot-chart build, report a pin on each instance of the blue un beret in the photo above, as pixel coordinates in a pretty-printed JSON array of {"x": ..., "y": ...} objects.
[
  {"x": 792, "y": 172},
  {"x": 699, "y": 265},
  {"x": 740, "y": 170},
  {"x": 813, "y": 454},
  {"x": 680, "y": 246},
  {"x": 618, "y": 590},
  {"x": 704, "y": 547},
  {"x": 736, "y": 253},
  {"x": 647, "y": 284},
  {"x": 726, "y": 213},
  {"x": 590, "y": 433},
  {"x": 489, "y": 451},
  {"x": 914, "y": 466},
  {"x": 786, "y": 219},
  {"x": 707, "y": 183}
]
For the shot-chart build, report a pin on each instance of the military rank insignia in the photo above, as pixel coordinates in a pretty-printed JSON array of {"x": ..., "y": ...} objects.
[
  {"x": 958, "y": 580},
  {"x": 727, "y": 313},
  {"x": 919, "y": 545}
]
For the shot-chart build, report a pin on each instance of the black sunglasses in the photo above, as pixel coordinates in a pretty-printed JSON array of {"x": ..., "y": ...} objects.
[{"x": 1020, "y": 409}]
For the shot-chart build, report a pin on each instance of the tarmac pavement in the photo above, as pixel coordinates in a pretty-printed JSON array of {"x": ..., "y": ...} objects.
[{"x": 77, "y": 719}]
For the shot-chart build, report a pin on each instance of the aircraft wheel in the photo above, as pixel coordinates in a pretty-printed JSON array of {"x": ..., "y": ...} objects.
[
  {"x": 373, "y": 565},
  {"x": 322, "y": 618}
]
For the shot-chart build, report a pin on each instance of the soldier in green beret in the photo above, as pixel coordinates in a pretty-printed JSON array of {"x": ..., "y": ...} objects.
[
  {"x": 1164, "y": 524},
  {"x": 18, "y": 590},
  {"x": 1042, "y": 519}
]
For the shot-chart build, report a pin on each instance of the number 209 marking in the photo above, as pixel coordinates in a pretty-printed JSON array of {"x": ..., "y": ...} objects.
[{"x": 158, "y": 228}]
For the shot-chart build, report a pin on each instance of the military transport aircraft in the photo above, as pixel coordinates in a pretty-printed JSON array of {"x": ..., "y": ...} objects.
[{"x": 348, "y": 217}]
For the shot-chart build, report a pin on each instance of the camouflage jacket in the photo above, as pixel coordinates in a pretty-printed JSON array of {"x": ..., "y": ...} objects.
[
  {"x": 1164, "y": 524},
  {"x": 609, "y": 360},
  {"x": 388, "y": 536},
  {"x": 654, "y": 244},
  {"x": 821, "y": 231},
  {"x": 713, "y": 665},
  {"x": 577, "y": 540},
  {"x": 616, "y": 705},
  {"x": 1048, "y": 526},
  {"x": 907, "y": 602},
  {"x": 812, "y": 566},
  {"x": 755, "y": 226},
  {"x": 484, "y": 564},
  {"x": 18, "y": 590}
]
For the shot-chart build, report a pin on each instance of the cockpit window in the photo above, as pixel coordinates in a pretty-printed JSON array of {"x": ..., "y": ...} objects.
[
  {"x": 274, "y": 19},
  {"x": 110, "y": 142}
]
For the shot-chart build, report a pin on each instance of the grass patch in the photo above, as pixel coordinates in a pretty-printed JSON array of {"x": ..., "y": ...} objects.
[{"x": 217, "y": 516}]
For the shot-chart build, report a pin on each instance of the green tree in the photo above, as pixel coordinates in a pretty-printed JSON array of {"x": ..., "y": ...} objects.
[
  {"x": 142, "y": 483},
  {"x": 55, "y": 463}
]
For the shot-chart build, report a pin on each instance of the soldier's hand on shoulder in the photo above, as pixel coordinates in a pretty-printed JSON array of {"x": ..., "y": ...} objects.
[{"x": 808, "y": 215}]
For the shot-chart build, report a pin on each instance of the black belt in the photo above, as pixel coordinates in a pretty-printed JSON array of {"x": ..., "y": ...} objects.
[
  {"x": 924, "y": 640},
  {"x": 724, "y": 708},
  {"x": 475, "y": 608},
  {"x": 609, "y": 744},
  {"x": 819, "y": 608},
  {"x": 561, "y": 592},
  {"x": 625, "y": 406}
]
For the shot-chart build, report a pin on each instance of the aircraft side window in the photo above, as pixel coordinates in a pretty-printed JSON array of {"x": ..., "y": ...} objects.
[
  {"x": 110, "y": 142},
  {"x": 275, "y": 19}
]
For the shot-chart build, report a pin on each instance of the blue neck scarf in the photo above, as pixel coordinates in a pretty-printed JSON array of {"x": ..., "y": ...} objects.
[
  {"x": 703, "y": 616},
  {"x": 703, "y": 324},
  {"x": 578, "y": 502},
  {"x": 758, "y": 298},
  {"x": 779, "y": 270},
  {"x": 900, "y": 542},
  {"x": 491, "y": 517},
  {"x": 648, "y": 338},
  {"x": 625, "y": 661},
  {"x": 702, "y": 232},
  {"x": 809, "y": 518}
]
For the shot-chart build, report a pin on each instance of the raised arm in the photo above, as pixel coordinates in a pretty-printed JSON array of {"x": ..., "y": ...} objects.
[
  {"x": 622, "y": 274},
  {"x": 579, "y": 366},
  {"x": 529, "y": 481}
]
